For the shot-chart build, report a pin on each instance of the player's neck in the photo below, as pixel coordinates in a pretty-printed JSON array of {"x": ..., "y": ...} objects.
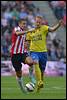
[{"x": 38, "y": 26}]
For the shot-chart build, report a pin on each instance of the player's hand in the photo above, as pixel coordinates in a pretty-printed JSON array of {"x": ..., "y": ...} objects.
[{"x": 60, "y": 22}]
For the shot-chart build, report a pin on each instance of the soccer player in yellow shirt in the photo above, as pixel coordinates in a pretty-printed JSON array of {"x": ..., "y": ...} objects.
[{"x": 38, "y": 48}]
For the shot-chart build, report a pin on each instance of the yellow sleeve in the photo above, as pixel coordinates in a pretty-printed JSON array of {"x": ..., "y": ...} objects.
[
  {"x": 28, "y": 36},
  {"x": 45, "y": 28}
]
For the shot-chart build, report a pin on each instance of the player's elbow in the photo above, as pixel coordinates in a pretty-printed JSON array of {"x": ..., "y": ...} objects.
[{"x": 51, "y": 29}]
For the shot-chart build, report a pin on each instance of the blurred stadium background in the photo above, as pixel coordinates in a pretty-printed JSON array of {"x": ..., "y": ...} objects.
[{"x": 52, "y": 11}]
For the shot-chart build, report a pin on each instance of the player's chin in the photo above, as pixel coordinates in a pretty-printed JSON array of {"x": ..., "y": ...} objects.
[{"x": 38, "y": 25}]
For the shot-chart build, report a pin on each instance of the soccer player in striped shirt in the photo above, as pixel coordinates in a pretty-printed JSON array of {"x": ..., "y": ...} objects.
[
  {"x": 38, "y": 48},
  {"x": 19, "y": 52}
]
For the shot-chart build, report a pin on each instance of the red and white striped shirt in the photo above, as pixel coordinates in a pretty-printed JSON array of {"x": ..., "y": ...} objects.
[{"x": 18, "y": 42}]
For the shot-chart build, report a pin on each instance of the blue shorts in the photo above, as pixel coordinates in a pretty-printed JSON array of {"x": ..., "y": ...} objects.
[{"x": 41, "y": 57}]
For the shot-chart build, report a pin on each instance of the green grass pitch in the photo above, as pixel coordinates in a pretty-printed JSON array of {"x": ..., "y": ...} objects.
[{"x": 54, "y": 88}]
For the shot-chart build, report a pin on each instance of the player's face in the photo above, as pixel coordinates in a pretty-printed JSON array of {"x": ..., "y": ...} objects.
[
  {"x": 38, "y": 21},
  {"x": 22, "y": 24}
]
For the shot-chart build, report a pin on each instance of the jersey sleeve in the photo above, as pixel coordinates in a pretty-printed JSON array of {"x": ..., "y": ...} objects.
[
  {"x": 17, "y": 29},
  {"x": 45, "y": 28}
]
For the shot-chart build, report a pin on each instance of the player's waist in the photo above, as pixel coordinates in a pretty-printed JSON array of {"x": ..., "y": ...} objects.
[
  {"x": 16, "y": 53},
  {"x": 34, "y": 50}
]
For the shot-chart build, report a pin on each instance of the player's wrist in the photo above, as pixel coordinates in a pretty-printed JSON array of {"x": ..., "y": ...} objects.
[{"x": 60, "y": 22}]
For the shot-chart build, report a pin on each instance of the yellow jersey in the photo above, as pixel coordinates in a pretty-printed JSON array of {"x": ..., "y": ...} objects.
[{"x": 38, "y": 39}]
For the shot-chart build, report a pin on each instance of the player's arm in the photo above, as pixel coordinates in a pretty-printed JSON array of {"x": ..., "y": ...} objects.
[
  {"x": 20, "y": 32},
  {"x": 24, "y": 32},
  {"x": 55, "y": 27}
]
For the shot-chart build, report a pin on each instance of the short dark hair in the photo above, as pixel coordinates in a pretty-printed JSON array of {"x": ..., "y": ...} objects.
[{"x": 21, "y": 20}]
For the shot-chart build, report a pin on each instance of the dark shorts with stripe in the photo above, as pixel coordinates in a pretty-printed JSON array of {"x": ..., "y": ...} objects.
[{"x": 17, "y": 59}]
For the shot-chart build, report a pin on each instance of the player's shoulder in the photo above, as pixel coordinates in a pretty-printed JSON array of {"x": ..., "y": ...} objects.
[
  {"x": 17, "y": 28},
  {"x": 44, "y": 27}
]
